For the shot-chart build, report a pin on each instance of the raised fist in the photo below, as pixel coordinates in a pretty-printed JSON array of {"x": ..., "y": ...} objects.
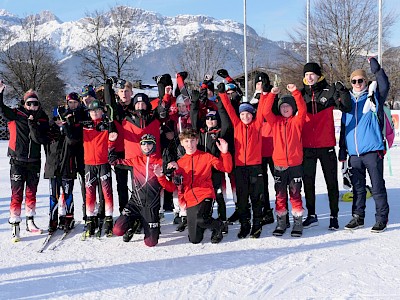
[{"x": 223, "y": 73}]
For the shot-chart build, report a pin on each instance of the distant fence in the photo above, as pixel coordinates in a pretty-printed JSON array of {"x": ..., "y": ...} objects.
[{"x": 395, "y": 116}]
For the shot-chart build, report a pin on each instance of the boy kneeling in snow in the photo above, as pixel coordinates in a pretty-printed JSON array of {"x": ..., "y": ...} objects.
[
  {"x": 195, "y": 169},
  {"x": 144, "y": 205}
]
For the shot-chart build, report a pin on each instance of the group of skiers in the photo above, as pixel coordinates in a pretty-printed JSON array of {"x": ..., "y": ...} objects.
[{"x": 188, "y": 141}]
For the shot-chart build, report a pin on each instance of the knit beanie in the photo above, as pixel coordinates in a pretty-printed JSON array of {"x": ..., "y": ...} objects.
[
  {"x": 289, "y": 100},
  {"x": 263, "y": 77},
  {"x": 312, "y": 67},
  {"x": 247, "y": 107}
]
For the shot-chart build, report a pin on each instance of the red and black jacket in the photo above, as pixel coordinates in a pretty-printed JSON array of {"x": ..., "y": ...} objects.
[{"x": 26, "y": 136}]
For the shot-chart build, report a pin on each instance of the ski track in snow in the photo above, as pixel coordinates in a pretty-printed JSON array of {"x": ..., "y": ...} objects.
[{"x": 321, "y": 264}]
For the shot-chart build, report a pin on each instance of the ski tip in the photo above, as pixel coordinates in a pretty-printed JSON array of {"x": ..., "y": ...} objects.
[{"x": 15, "y": 240}]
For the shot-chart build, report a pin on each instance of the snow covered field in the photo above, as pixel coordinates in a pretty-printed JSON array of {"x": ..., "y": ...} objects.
[{"x": 321, "y": 264}]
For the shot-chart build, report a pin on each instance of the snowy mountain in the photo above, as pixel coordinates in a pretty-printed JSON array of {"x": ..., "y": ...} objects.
[{"x": 160, "y": 38}]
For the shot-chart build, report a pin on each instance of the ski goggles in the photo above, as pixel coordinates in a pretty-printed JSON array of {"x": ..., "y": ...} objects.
[{"x": 32, "y": 103}]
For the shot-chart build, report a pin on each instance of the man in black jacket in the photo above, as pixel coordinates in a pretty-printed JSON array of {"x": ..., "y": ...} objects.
[{"x": 28, "y": 125}]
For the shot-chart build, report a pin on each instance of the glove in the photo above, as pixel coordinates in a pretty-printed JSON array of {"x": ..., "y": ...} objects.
[
  {"x": 183, "y": 74},
  {"x": 223, "y": 73},
  {"x": 112, "y": 157},
  {"x": 346, "y": 176},
  {"x": 112, "y": 79},
  {"x": 102, "y": 126},
  {"x": 177, "y": 179},
  {"x": 266, "y": 88},
  {"x": 208, "y": 78},
  {"x": 340, "y": 86},
  {"x": 195, "y": 96},
  {"x": 221, "y": 87},
  {"x": 374, "y": 64}
]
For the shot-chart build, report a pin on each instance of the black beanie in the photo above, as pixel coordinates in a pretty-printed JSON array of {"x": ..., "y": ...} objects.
[
  {"x": 312, "y": 67},
  {"x": 263, "y": 77},
  {"x": 289, "y": 100}
]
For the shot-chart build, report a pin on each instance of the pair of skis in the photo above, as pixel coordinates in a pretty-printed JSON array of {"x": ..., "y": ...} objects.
[{"x": 58, "y": 242}]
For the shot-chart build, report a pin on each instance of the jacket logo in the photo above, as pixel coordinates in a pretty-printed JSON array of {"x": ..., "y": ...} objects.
[
  {"x": 323, "y": 100},
  {"x": 16, "y": 177}
]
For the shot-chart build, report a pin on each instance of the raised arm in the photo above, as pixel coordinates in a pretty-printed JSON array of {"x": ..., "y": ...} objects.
[{"x": 227, "y": 104}]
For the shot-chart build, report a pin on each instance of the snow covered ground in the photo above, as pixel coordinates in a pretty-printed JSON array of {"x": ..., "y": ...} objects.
[{"x": 321, "y": 264}]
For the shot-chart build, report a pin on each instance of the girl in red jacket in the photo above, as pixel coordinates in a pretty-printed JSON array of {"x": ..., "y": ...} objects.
[
  {"x": 195, "y": 169},
  {"x": 288, "y": 155}
]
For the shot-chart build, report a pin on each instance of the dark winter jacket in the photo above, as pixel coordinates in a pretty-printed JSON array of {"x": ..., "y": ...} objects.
[
  {"x": 26, "y": 136},
  {"x": 321, "y": 98},
  {"x": 209, "y": 137},
  {"x": 138, "y": 123},
  {"x": 60, "y": 157}
]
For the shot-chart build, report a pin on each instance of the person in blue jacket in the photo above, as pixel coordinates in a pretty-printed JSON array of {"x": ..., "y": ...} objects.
[{"x": 363, "y": 141}]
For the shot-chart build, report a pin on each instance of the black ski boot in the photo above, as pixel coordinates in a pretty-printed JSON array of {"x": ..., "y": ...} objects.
[
  {"x": 128, "y": 235},
  {"x": 90, "y": 226},
  {"x": 244, "y": 231},
  {"x": 268, "y": 217},
  {"x": 108, "y": 226},
  {"x": 217, "y": 235},
  {"x": 182, "y": 226},
  {"x": 256, "y": 230}
]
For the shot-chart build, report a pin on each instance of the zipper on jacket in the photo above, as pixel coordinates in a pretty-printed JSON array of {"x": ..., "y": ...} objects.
[
  {"x": 147, "y": 168},
  {"x": 191, "y": 184},
  {"x": 355, "y": 127},
  {"x": 286, "y": 142},
  {"x": 245, "y": 148}
]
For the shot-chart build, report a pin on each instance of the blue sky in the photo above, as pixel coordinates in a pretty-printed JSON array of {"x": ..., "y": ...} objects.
[{"x": 272, "y": 19}]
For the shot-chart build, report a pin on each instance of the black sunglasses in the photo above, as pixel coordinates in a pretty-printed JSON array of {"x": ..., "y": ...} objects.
[
  {"x": 146, "y": 143},
  {"x": 32, "y": 103},
  {"x": 211, "y": 118},
  {"x": 354, "y": 81}
]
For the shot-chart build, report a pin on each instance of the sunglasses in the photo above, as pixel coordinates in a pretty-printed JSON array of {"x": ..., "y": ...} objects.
[
  {"x": 32, "y": 103},
  {"x": 146, "y": 143},
  {"x": 211, "y": 118},
  {"x": 354, "y": 81}
]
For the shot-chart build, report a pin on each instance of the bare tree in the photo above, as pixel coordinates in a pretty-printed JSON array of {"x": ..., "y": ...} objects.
[
  {"x": 203, "y": 54},
  {"x": 342, "y": 34},
  {"x": 94, "y": 66},
  {"x": 31, "y": 65},
  {"x": 391, "y": 64},
  {"x": 109, "y": 51}
]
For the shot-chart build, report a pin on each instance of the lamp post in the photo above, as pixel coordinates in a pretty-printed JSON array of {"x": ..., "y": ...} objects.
[
  {"x": 380, "y": 32},
  {"x": 308, "y": 30},
  {"x": 245, "y": 50}
]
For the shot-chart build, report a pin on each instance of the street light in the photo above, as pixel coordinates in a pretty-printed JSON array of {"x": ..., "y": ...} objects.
[{"x": 245, "y": 50}]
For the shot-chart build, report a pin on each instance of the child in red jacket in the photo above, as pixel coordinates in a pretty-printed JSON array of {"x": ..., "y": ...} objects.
[
  {"x": 248, "y": 171},
  {"x": 148, "y": 181},
  {"x": 195, "y": 169},
  {"x": 96, "y": 136},
  {"x": 288, "y": 155}
]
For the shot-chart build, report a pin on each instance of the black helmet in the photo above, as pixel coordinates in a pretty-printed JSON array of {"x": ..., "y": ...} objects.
[
  {"x": 148, "y": 139},
  {"x": 95, "y": 104}
]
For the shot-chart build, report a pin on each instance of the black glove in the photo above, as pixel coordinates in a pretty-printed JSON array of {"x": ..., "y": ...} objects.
[
  {"x": 112, "y": 156},
  {"x": 112, "y": 80},
  {"x": 221, "y": 87},
  {"x": 195, "y": 96},
  {"x": 374, "y": 64},
  {"x": 177, "y": 179},
  {"x": 339, "y": 86},
  {"x": 223, "y": 73},
  {"x": 266, "y": 87},
  {"x": 183, "y": 74},
  {"x": 102, "y": 126}
]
